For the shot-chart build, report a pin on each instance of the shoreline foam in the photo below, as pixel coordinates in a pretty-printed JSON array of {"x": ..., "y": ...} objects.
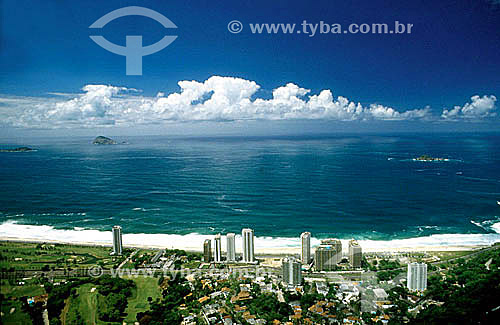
[{"x": 13, "y": 231}]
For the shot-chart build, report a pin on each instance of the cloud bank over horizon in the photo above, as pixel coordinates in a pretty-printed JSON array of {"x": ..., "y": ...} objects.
[{"x": 217, "y": 99}]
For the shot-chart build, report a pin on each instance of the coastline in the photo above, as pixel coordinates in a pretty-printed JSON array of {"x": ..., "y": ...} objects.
[
  {"x": 258, "y": 251},
  {"x": 11, "y": 231}
]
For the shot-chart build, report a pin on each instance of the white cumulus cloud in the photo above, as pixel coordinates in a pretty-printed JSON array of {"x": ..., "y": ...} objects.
[
  {"x": 479, "y": 107},
  {"x": 217, "y": 99},
  {"x": 388, "y": 113}
]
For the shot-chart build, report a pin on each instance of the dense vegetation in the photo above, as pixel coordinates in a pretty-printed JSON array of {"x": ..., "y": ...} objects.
[
  {"x": 113, "y": 294},
  {"x": 34, "y": 311},
  {"x": 467, "y": 292},
  {"x": 57, "y": 296},
  {"x": 269, "y": 308},
  {"x": 470, "y": 291},
  {"x": 387, "y": 270},
  {"x": 113, "y": 297},
  {"x": 166, "y": 310}
]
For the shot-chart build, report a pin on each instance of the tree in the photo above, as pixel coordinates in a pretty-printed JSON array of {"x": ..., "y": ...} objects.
[
  {"x": 470, "y": 292},
  {"x": 166, "y": 310},
  {"x": 308, "y": 299},
  {"x": 332, "y": 292}
]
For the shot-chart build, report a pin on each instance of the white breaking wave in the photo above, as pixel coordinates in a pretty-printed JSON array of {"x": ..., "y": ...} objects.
[{"x": 194, "y": 241}]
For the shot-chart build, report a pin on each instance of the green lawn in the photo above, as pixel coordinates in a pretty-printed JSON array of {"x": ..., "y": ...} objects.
[
  {"x": 128, "y": 265},
  {"x": 192, "y": 265},
  {"x": 444, "y": 256},
  {"x": 12, "y": 293},
  {"x": 17, "y": 317},
  {"x": 85, "y": 304},
  {"x": 35, "y": 255},
  {"x": 19, "y": 291},
  {"x": 146, "y": 287}
]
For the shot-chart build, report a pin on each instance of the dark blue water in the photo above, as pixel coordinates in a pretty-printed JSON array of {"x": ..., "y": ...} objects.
[{"x": 365, "y": 186}]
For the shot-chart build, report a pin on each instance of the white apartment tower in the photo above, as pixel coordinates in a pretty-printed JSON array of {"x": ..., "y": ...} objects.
[
  {"x": 292, "y": 271},
  {"x": 217, "y": 249},
  {"x": 247, "y": 236},
  {"x": 305, "y": 255},
  {"x": 231, "y": 247},
  {"x": 417, "y": 277},
  {"x": 117, "y": 240},
  {"x": 355, "y": 254}
]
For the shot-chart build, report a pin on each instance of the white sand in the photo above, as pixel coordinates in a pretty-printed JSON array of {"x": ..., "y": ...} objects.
[
  {"x": 263, "y": 245},
  {"x": 261, "y": 250}
]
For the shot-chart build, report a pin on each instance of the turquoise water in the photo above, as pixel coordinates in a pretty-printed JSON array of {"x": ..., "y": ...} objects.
[{"x": 363, "y": 186}]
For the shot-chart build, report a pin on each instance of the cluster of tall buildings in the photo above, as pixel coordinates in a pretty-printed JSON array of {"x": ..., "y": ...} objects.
[
  {"x": 247, "y": 236},
  {"x": 326, "y": 257},
  {"x": 416, "y": 277},
  {"x": 329, "y": 253}
]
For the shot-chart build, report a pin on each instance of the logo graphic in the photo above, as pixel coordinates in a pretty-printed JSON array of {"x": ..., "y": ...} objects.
[
  {"x": 235, "y": 26},
  {"x": 133, "y": 49},
  {"x": 95, "y": 271}
]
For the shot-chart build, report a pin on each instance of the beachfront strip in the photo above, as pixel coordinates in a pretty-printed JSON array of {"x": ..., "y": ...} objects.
[
  {"x": 327, "y": 256},
  {"x": 71, "y": 284}
]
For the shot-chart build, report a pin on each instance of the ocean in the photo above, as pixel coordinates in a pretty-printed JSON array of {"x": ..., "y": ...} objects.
[{"x": 366, "y": 187}]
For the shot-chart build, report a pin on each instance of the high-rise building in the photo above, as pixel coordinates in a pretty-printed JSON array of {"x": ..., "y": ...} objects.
[
  {"x": 117, "y": 240},
  {"x": 247, "y": 236},
  {"x": 328, "y": 255},
  {"x": 324, "y": 258},
  {"x": 355, "y": 254},
  {"x": 231, "y": 248},
  {"x": 337, "y": 244},
  {"x": 207, "y": 251},
  {"x": 217, "y": 249},
  {"x": 292, "y": 271},
  {"x": 417, "y": 277},
  {"x": 305, "y": 255}
]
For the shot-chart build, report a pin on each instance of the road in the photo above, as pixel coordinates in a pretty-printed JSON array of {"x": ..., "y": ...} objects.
[
  {"x": 466, "y": 256},
  {"x": 449, "y": 260},
  {"x": 45, "y": 316},
  {"x": 128, "y": 259}
]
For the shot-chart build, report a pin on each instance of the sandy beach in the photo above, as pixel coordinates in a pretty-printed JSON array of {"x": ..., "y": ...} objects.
[
  {"x": 259, "y": 250},
  {"x": 263, "y": 245}
]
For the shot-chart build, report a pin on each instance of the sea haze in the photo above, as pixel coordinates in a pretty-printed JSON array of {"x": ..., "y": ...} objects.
[{"x": 362, "y": 186}]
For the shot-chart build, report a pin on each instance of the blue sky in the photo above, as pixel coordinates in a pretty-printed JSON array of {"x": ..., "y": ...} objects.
[{"x": 453, "y": 53}]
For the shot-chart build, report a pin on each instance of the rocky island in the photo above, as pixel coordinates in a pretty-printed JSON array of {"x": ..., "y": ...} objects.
[
  {"x": 20, "y": 149},
  {"x": 103, "y": 140},
  {"x": 429, "y": 158}
]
